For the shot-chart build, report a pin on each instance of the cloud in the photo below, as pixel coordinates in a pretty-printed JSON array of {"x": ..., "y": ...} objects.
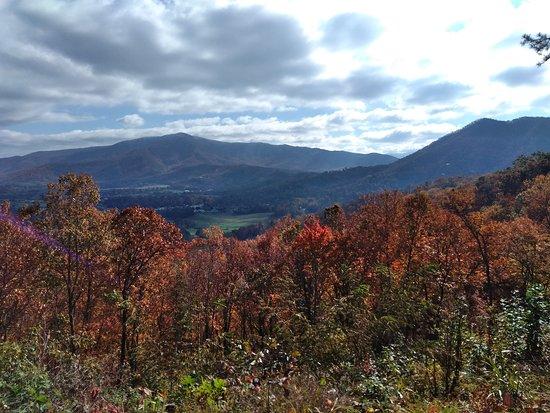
[
  {"x": 155, "y": 57},
  {"x": 245, "y": 47},
  {"x": 364, "y": 84},
  {"x": 425, "y": 92},
  {"x": 404, "y": 140},
  {"x": 131, "y": 121},
  {"x": 169, "y": 59},
  {"x": 350, "y": 31},
  {"x": 512, "y": 40},
  {"x": 367, "y": 84},
  {"x": 521, "y": 76},
  {"x": 542, "y": 102},
  {"x": 345, "y": 68},
  {"x": 351, "y": 130}
]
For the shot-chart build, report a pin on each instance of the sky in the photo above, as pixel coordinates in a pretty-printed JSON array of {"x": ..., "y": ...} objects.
[{"x": 386, "y": 76}]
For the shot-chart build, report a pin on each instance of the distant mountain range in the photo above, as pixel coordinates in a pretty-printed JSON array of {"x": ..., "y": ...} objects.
[
  {"x": 179, "y": 159},
  {"x": 482, "y": 146},
  {"x": 270, "y": 175}
]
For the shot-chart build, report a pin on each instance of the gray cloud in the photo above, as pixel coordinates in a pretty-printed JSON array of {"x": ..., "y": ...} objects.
[
  {"x": 179, "y": 60},
  {"x": 349, "y": 31},
  {"x": 125, "y": 44},
  {"x": 521, "y": 76},
  {"x": 403, "y": 142},
  {"x": 364, "y": 84},
  {"x": 400, "y": 136},
  {"x": 234, "y": 58},
  {"x": 218, "y": 48},
  {"x": 368, "y": 84},
  {"x": 425, "y": 92},
  {"x": 391, "y": 119},
  {"x": 249, "y": 47},
  {"x": 542, "y": 103}
]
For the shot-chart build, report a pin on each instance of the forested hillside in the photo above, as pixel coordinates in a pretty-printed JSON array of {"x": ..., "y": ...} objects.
[
  {"x": 175, "y": 159},
  {"x": 258, "y": 177},
  {"x": 434, "y": 300},
  {"x": 480, "y": 147}
]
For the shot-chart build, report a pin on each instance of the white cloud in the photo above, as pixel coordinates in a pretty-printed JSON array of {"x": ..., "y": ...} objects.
[
  {"x": 390, "y": 74},
  {"x": 350, "y": 130},
  {"x": 131, "y": 121}
]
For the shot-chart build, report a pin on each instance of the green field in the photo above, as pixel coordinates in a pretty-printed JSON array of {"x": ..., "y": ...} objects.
[{"x": 227, "y": 222}]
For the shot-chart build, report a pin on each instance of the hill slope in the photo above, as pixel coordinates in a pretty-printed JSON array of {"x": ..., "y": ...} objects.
[
  {"x": 482, "y": 146},
  {"x": 267, "y": 177},
  {"x": 152, "y": 159}
]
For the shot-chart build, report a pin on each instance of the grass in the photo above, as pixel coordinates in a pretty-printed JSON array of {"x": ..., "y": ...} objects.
[{"x": 227, "y": 222}]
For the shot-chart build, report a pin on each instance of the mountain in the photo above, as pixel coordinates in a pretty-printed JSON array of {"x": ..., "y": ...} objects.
[
  {"x": 176, "y": 158},
  {"x": 259, "y": 176},
  {"x": 482, "y": 146}
]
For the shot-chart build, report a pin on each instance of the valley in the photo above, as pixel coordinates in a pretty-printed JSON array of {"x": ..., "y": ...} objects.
[{"x": 196, "y": 182}]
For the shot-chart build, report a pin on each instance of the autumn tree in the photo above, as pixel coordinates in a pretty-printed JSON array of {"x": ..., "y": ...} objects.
[
  {"x": 206, "y": 261},
  {"x": 78, "y": 234},
  {"x": 261, "y": 302},
  {"x": 310, "y": 268},
  {"x": 527, "y": 248},
  {"x": 142, "y": 238},
  {"x": 215, "y": 281},
  {"x": 536, "y": 200},
  {"x": 461, "y": 202},
  {"x": 20, "y": 265},
  {"x": 415, "y": 214},
  {"x": 239, "y": 259}
]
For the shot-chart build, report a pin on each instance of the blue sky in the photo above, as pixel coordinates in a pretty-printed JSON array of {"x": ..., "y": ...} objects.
[{"x": 386, "y": 76}]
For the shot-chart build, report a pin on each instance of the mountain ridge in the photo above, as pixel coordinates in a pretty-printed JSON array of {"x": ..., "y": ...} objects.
[
  {"x": 267, "y": 176},
  {"x": 162, "y": 154},
  {"x": 482, "y": 146}
]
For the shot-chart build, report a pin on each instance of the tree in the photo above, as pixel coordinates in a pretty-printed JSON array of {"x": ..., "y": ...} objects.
[
  {"x": 310, "y": 267},
  {"x": 206, "y": 262},
  {"x": 540, "y": 43},
  {"x": 19, "y": 267},
  {"x": 527, "y": 248},
  {"x": 536, "y": 200},
  {"x": 260, "y": 299},
  {"x": 78, "y": 231},
  {"x": 461, "y": 202},
  {"x": 215, "y": 280},
  {"x": 142, "y": 238}
]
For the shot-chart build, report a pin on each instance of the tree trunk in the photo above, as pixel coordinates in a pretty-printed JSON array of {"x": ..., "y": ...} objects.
[{"x": 124, "y": 331}]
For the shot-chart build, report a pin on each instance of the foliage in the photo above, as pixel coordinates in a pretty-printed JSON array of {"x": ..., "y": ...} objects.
[
  {"x": 427, "y": 301},
  {"x": 23, "y": 385},
  {"x": 540, "y": 43}
]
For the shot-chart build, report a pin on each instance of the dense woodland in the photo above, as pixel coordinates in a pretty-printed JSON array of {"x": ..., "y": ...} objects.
[{"x": 436, "y": 300}]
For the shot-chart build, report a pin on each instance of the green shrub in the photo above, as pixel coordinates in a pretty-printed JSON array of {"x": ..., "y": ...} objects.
[{"x": 24, "y": 386}]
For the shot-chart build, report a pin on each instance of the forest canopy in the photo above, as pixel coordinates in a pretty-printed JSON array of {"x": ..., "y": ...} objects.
[{"x": 423, "y": 301}]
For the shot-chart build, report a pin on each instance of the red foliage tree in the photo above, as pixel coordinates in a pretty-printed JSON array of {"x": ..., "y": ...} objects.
[{"x": 142, "y": 238}]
